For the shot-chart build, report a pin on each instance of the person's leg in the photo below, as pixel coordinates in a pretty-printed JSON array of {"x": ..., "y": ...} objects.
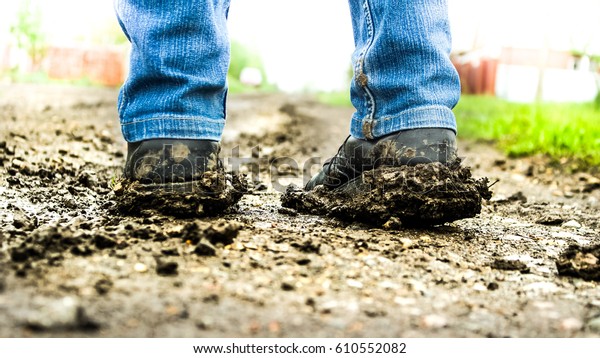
[
  {"x": 179, "y": 59},
  {"x": 172, "y": 106},
  {"x": 403, "y": 77},
  {"x": 404, "y": 89}
]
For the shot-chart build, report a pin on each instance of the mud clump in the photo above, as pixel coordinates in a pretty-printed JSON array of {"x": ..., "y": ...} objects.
[
  {"x": 166, "y": 268},
  {"x": 220, "y": 232},
  {"x": 420, "y": 195},
  {"x": 581, "y": 262},
  {"x": 205, "y": 248},
  {"x": 211, "y": 194},
  {"x": 50, "y": 244},
  {"x": 103, "y": 286},
  {"x": 510, "y": 264},
  {"x": 206, "y": 237}
]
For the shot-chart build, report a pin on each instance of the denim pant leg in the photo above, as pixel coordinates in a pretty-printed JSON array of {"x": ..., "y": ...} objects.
[
  {"x": 179, "y": 59},
  {"x": 403, "y": 77}
]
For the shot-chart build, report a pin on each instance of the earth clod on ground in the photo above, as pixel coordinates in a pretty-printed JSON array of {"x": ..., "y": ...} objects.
[
  {"x": 421, "y": 195},
  {"x": 581, "y": 262},
  {"x": 210, "y": 195}
]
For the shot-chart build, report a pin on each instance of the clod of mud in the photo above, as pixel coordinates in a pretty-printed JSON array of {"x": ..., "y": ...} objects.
[
  {"x": 582, "y": 262},
  {"x": 220, "y": 232},
  {"x": 22, "y": 221},
  {"x": 207, "y": 236},
  {"x": 210, "y": 195},
  {"x": 45, "y": 243},
  {"x": 510, "y": 264},
  {"x": 49, "y": 244},
  {"x": 205, "y": 248},
  {"x": 550, "y": 219},
  {"x": 420, "y": 195},
  {"x": 166, "y": 268},
  {"x": 103, "y": 285}
]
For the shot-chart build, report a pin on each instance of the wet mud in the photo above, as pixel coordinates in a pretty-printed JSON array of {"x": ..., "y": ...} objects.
[
  {"x": 80, "y": 257},
  {"x": 210, "y": 195},
  {"x": 421, "y": 195}
]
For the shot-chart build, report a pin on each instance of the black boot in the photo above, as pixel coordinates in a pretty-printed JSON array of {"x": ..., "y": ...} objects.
[
  {"x": 409, "y": 147},
  {"x": 159, "y": 162}
]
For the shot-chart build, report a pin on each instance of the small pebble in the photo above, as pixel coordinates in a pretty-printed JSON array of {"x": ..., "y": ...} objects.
[
  {"x": 354, "y": 283},
  {"x": 479, "y": 287},
  {"x": 407, "y": 243},
  {"x": 204, "y": 324},
  {"x": 404, "y": 301},
  {"x": 433, "y": 321},
  {"x": 572, "y": 224},
  {"x": 288, "y": 286},
  {"x": 140, "y": 267},
  {"x": 493, "y": 286},
  {"x": 571, "y": 325}
]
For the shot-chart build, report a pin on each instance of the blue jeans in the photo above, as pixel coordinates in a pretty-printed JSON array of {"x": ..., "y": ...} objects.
[{"x": 403, "y": 77}]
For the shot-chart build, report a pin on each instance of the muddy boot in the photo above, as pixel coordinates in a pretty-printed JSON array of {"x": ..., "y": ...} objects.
[
  {"x": 409, "y": 178},
  {"x": 183, "y": 178},
  {"x": 409, "y": 147},
  {"x": 167, "y": 162}
]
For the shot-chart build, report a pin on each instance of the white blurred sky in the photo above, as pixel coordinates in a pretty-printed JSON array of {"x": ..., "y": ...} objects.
[{"x": 306, "y": 44}]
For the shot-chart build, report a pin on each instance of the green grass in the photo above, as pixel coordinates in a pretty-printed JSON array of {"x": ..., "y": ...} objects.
[{"x": 560, "y": 130}]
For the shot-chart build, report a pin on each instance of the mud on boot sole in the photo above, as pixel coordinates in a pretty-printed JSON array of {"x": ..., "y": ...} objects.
[
  {"x": 209, "y": 195},
  {"x": 420, "y": 195}
]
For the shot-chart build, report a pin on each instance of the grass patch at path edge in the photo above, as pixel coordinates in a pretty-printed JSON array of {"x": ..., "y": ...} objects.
[{"x": 560, "y": 130}]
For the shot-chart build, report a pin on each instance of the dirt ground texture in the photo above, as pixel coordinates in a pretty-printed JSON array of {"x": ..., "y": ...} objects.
[{"x": 73, "y": 266}]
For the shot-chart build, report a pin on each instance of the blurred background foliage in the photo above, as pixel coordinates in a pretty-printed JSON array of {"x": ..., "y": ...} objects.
[{"x": 565, "y": 132}]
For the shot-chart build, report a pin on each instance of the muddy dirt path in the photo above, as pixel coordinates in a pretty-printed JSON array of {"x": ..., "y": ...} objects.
[{"x": 70, "y": 266}]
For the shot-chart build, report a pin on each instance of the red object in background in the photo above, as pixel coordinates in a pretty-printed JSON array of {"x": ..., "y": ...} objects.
[
  {"x": 5, "y": 59},
  {"x": 104, "y": 65},
  {"x": 477, "y": 77}
]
